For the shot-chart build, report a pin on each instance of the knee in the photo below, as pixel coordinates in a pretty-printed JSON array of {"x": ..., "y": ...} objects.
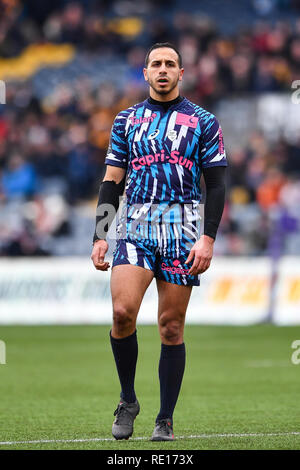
[
  {"x": 123, "y": 319},
  {"x": 171, "y": 330}
]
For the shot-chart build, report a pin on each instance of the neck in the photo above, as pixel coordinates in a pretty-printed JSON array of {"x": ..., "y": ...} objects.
[
  {"x": 165, "y": 104},
  {"x": 164, "y": 98},
  {"x": 153, "y": 100}
]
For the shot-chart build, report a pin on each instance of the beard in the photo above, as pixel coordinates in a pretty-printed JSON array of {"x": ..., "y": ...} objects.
[{"x": 162, "y": 91}]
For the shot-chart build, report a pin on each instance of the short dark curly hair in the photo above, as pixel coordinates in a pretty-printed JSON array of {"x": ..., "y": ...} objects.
[{"x": 158, "y": 45}]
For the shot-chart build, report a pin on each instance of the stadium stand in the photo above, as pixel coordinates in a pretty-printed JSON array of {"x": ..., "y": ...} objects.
[{"x": 70, "y": 67}]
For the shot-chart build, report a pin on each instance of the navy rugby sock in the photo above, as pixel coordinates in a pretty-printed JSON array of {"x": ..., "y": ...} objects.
[
  {"x": 170, "y": 370},
  {"x": 125, "y": 352}
]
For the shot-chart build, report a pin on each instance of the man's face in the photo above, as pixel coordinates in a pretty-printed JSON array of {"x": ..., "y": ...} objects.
[{"x": 163, "y": 72}]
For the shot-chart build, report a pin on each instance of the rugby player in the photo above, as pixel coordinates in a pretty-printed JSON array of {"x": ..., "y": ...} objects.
[{"x": 158, "y": 150}]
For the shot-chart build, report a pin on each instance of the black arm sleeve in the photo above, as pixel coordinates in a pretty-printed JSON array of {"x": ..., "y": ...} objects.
[
  {"x": 108, "y": 204},
  {"x": 214, "y": 178}
]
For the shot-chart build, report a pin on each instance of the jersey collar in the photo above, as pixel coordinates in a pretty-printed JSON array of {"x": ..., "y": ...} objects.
[{"x": 164, "y": 105}]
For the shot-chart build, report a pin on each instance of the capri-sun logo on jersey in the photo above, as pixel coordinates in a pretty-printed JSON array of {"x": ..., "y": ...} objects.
[{"x": 174, "y": 158}]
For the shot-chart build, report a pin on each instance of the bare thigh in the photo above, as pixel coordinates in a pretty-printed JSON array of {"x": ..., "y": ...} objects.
[
  {"x": 172, "y": 305},
  {"x": 128, "y": 286}
]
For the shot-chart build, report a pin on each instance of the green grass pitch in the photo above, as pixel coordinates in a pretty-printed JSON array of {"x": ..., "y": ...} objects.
[{"x": 240, "y": 389}]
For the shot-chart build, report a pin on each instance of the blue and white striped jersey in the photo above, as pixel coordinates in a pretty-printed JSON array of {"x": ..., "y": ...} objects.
[{"x": 165, "y": 151}]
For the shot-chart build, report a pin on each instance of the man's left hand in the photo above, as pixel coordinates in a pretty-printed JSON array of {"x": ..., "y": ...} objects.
[{"x": 202, "y": 253}]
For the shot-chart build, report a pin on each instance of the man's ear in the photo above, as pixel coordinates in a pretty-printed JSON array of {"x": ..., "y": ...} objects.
[
  {"x": 145, "y": 74},
  {"x": 181, "y": 74}
]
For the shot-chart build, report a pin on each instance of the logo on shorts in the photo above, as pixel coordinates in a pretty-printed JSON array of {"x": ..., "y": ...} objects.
[{"x": 175, "y": 269}]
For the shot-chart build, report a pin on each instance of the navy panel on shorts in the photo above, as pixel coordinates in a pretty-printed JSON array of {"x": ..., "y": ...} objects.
[{"x": 168, "y": 268}]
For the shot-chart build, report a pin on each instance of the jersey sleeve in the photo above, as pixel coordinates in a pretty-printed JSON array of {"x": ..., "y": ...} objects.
[
  {"x": 213, "y": 151},
  {"x": 117, "y": 153}
]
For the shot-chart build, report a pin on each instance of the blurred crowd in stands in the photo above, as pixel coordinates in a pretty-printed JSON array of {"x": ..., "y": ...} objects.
[{"x": 52, "y": 147}]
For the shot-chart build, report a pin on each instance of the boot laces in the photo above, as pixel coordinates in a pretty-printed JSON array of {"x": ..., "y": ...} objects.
[
  {"x": 164, "y": 424},
  {"x": 122, "y": 414}
]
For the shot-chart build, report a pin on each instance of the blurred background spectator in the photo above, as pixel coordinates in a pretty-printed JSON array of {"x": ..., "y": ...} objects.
[{"x": 70, "y": 67}]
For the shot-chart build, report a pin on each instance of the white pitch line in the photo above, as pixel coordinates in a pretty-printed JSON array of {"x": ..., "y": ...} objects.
[{"x": 108, "y": 439}]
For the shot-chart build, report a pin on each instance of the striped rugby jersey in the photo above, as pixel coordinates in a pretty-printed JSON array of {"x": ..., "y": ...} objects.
[{"x": 165, "y": 151}]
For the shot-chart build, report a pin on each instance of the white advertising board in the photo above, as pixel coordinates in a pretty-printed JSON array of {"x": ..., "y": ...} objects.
[
  {"x": 70, "y": 291},
  {"x": 287, "y": 294}
]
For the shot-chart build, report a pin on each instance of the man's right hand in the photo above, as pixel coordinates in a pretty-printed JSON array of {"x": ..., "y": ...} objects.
[{"x": 99, "y": 250}]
